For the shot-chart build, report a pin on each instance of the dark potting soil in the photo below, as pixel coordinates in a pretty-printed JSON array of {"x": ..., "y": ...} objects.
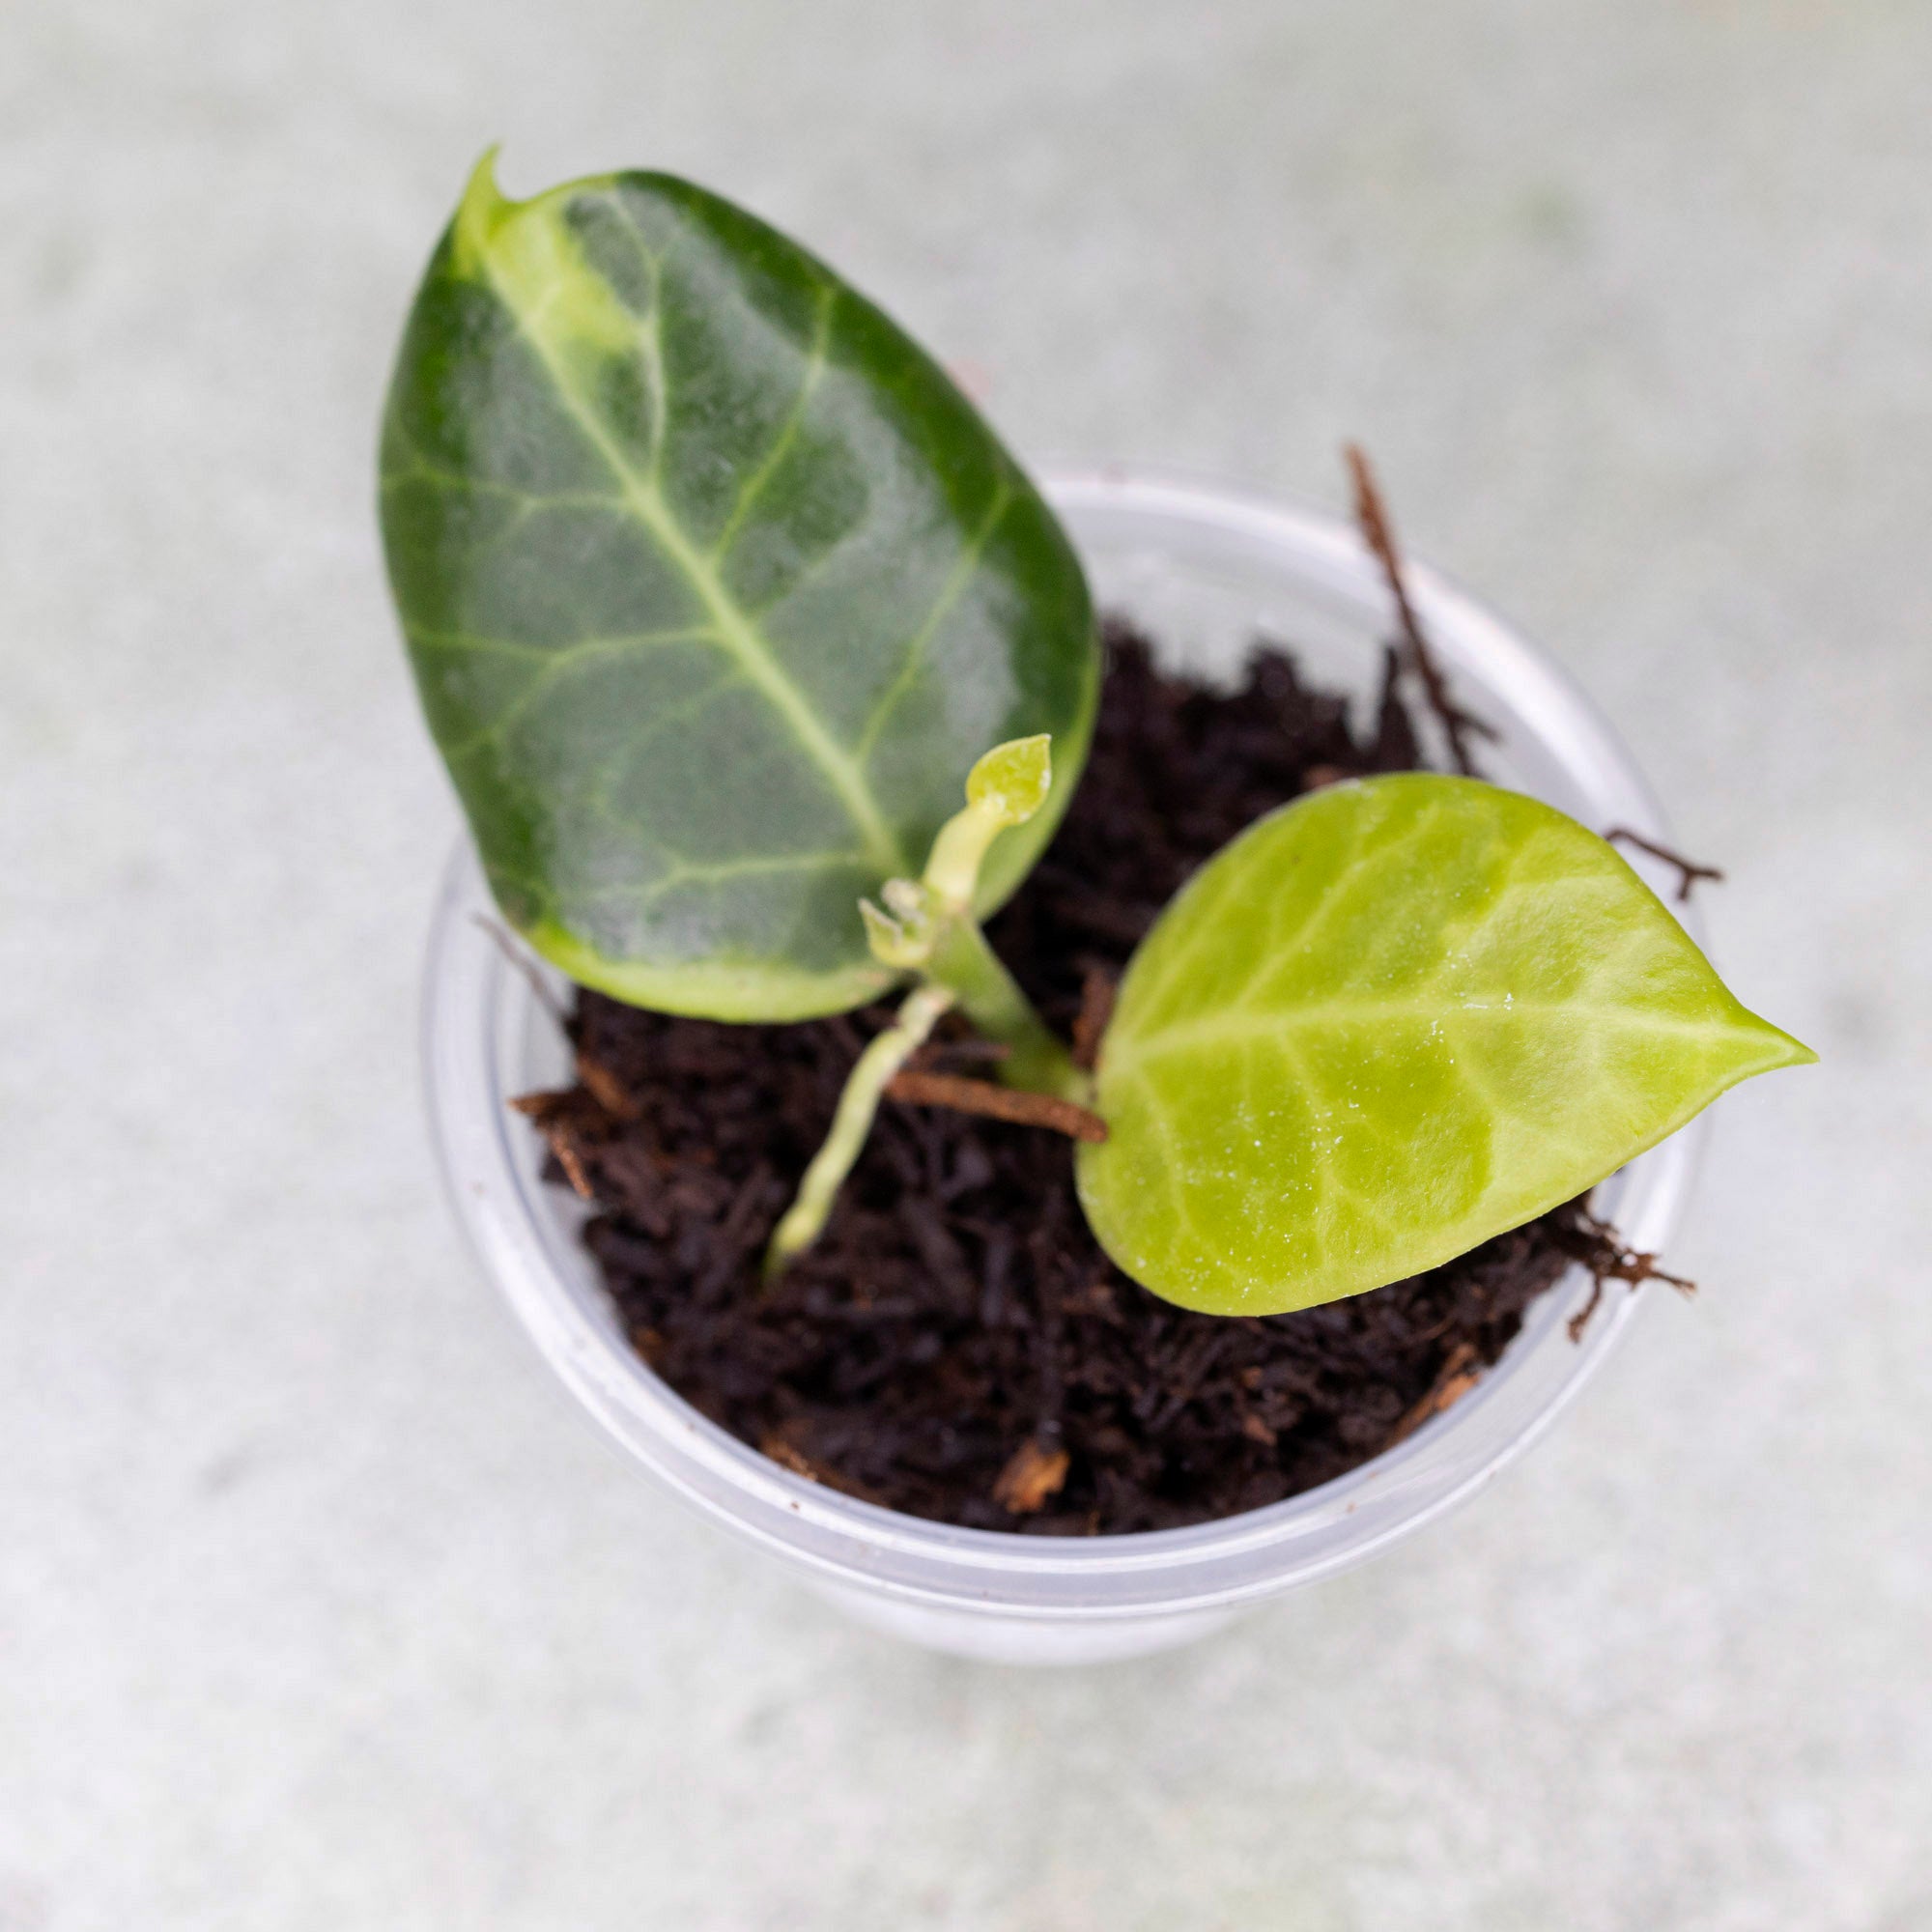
[{"x": 957, "y": 1346}]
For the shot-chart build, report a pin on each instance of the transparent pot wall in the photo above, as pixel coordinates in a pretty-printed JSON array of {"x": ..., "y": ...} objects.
[{"x": 1205, "y": 572}]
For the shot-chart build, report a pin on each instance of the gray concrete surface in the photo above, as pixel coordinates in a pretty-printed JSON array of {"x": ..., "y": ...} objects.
[{"x": 316, "y": 1610}]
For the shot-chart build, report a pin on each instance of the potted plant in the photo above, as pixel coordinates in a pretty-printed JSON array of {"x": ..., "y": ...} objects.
[{"x": 766, "y": 679}]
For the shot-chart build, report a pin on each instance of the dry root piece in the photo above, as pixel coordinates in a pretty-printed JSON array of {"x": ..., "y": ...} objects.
[
  {"x": 997, "y": 1104},
  {"x": 778, "y": 1445},
  {"x": 1458, "y": 1376},
  {"x": 1033, "y": 1474},
  {"x": 1609, "y": 1260},
  {"x": 1580, "y": 1321},
  {"x": 607, "y": 1089},
  {"x": 551, "y": 1115},
  {"x": 787, "y": 1456}
]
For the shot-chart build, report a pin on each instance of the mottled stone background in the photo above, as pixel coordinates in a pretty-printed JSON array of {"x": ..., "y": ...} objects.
[{"x": 317, "y": 1611}]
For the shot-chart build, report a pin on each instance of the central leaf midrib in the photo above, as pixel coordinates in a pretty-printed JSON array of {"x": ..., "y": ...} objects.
[
  {"x": 1239, "y": 1029},
  {"x": 736, "y": 633}
]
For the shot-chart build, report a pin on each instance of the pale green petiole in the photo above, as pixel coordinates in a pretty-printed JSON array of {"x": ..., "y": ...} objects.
[
  {"x": 990, "y": 998},
  {"x": 857, "y": 1104},
  {"x": 928, "y": 926}
]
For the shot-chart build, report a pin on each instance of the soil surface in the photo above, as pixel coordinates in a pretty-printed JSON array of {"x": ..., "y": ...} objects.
[{"x": 957, "y": 1346}]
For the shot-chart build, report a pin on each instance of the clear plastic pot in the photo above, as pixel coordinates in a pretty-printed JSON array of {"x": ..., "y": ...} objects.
[{"x": 1206, "y": 570}]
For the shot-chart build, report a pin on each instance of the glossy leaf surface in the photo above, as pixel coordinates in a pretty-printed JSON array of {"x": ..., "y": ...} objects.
[
  {"x": 715, "y": 587},
  {"x": 1389, "y": 1021}
]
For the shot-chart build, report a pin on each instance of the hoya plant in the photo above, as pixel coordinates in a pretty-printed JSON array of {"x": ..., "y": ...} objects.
[{"x": 721, "y": 598}]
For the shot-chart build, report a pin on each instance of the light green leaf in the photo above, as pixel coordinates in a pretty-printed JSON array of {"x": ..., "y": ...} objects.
[
  {"x": 1012, "y": 782},
  {"x": 715, "y": 588},
  {"x": 1389, "y": 1021}
]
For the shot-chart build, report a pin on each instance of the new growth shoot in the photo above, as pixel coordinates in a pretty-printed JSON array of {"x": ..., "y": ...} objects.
[{"x": 928, "y": 928}]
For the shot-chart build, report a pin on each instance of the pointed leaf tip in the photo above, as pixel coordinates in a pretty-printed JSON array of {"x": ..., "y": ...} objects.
[
  {"x": 1797, "y": 1051},
  {"x": 1013, "y": 778},
  {"x": 482, "y": 207}
]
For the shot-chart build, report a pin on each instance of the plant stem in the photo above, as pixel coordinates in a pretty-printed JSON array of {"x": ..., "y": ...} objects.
[
  {"x": 804, "y": 1218},
  {"x": 926, "y": 926},
  {"x": 989, "y": 995}
]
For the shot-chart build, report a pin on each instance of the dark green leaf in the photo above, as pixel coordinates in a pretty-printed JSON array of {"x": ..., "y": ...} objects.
[{"x": 715, "y": 587}]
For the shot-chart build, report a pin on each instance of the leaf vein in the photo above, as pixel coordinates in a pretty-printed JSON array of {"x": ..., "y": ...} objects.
[
  {"x": 816, "y": 362},
  {"x": 736, "y": 633},
  {"x": 957, "y": 579}
]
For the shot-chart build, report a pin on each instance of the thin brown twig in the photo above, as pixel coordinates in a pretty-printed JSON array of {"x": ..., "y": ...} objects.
[
  {"x": 1580, "y": 1321},
  {"x": 567, "y": 1158},
  {"x": 1097, "y": 1008},
  {"x": 1638, "y": 1268},
  {"x": 1379, "y": 534},
  {"x": 548, "y": 1111},
  {"x": 543, "y": 1110},
  {"x": 1609, "y": 1260},
  {"x": 524, "y": 965},
  {"x": 597, "y": 1080},
  {"x": 999, "y": 1103},
  {"x": 1688, "y": 873}
]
